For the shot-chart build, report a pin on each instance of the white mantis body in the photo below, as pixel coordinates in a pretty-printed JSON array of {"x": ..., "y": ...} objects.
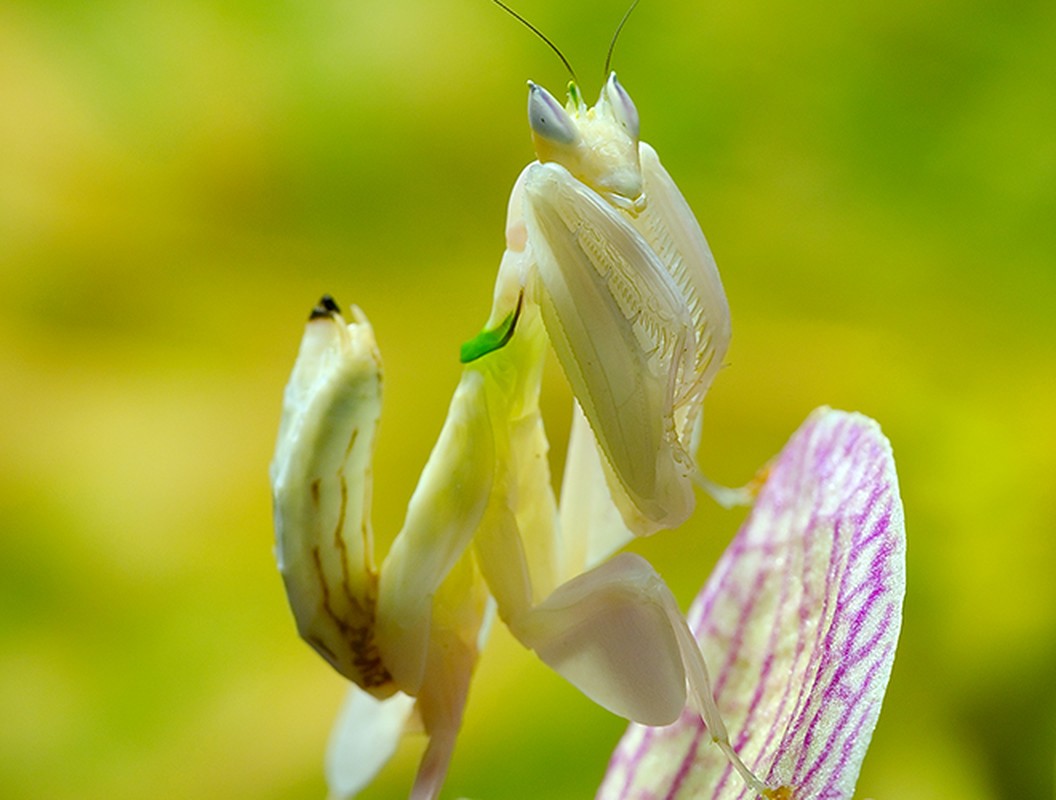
[
  {"x": 630, "y": 294},
  {"x": 605, "y": 260}
]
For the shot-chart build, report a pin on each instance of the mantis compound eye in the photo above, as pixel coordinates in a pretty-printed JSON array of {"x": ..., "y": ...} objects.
[
  {"x": 622, "y": 105},
  {"x": 547, "y": 118}
]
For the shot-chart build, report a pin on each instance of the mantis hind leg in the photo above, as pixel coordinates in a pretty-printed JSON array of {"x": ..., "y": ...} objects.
[
  {"x": 617, "y": 634},
  {"x": 453, "y": 651}
]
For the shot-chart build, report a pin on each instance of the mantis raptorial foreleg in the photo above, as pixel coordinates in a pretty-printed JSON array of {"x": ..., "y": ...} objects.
[{"x": 619, "y": 327}]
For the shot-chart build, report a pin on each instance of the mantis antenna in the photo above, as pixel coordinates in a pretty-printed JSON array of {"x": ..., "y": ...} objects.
[
  {"x": 544, "y": 37},
  {"x": 615, "y": 36}
]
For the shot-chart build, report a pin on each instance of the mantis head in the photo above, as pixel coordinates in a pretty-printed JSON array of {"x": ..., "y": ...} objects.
[{"x": 598, "y": 145}]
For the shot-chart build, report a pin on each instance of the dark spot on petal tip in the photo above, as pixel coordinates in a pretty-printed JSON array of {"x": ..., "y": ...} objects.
[{"x": 326, "y": 307}]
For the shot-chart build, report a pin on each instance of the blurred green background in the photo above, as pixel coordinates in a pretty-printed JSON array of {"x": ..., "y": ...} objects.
[{"x": 180, "y": 181}]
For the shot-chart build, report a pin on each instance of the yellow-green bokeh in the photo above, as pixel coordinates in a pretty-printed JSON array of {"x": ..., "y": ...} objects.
[{"x": 180, "y": 181}]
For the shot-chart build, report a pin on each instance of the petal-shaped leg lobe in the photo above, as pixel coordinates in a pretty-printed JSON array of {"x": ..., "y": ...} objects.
[
  {"x": 457, "y": 620},
  {"x": 608, "y": 633},
  {"x": 363, "y": 740}
]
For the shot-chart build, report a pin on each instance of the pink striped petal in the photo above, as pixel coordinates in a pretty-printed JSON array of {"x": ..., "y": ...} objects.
[{"x": 799, "y": 624}]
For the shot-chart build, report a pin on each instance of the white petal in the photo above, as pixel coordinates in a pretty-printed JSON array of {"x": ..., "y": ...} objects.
[{"x": 363, "y": 740}]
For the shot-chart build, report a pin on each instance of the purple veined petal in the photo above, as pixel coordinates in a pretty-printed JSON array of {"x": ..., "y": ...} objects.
[{"x": 799, "y": 625}]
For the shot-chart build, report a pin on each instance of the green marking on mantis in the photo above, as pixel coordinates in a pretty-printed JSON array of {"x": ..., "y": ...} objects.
[{"x": 489, "y": 341}]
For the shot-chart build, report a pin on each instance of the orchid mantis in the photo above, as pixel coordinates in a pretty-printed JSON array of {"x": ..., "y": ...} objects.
[
  {"x": 601, "y": 238},
  {"x": 605, "y": 261}
]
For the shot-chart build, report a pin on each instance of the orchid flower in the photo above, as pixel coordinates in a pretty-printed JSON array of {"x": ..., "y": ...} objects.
[{"x": 801, "y": 618}]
